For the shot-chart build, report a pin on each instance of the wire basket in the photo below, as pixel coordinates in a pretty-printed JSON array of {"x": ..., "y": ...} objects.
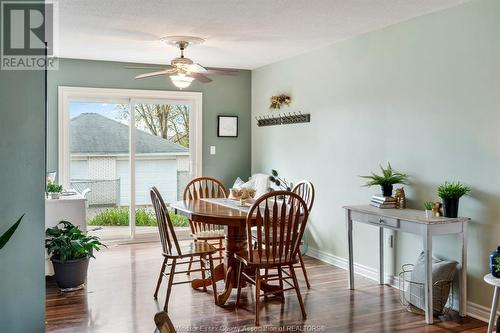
[{"x": 412, "y": 293}]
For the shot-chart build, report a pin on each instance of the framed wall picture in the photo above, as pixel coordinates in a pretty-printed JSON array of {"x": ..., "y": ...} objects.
[{"x": 227, "y": 126}]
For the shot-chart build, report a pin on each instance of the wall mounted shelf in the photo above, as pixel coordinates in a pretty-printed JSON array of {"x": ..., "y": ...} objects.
[{"x": 285, "y": 119}]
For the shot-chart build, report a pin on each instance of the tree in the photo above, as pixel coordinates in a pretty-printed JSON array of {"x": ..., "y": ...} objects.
[{"x": 170, "y": 122}]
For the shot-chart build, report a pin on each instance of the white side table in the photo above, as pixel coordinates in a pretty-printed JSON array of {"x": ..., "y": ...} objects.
[{"x": 495, "y": 282}]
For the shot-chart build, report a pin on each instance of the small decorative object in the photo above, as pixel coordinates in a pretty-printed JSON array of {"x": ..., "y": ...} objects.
[
  {"x": 281, "y": 183},
  {"x": 386, "y": 181},
  {"x": 242, "y": 193},
  {"x": 227, "y": 126},
  {"x": 54, "y": 190},
  {"x": 278, "y": 101},
  {"x": 4, "y": 238},
  {"x": 400, "y": 197},
  {"x": 451, "y": 192},
  {"x": 428, "y": 209},
  {"x": 495, "y": 263},
  {"x": 437, "y": 209},
  {"x": 69, "y": 250}
]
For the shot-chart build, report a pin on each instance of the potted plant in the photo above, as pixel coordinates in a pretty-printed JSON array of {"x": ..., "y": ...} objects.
[
  {"x": 54, "y": 190},
  {"x": 451, "y": 192},
  {"x": 428, "y": 209},
  {"x": 70, "y": 250},
  {"x": 386, "y": 181}
]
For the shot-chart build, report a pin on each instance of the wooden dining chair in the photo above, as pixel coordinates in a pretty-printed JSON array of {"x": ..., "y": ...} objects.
[
  {"x": 279, "y": 219},
  {"x": 206, "y": 187},
  {"x": 305, "y": 190},
  {"x": 175, "y": 253}
]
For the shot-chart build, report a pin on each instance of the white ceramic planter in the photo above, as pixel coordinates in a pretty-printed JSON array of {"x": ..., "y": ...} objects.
[
  {"x": 428, "y": 213},
  {"x": 55, "y": 195}
]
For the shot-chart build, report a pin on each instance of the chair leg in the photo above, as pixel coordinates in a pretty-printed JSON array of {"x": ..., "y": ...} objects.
[
  {"x": 257, "y": 296},
  {"x": 280, "y": 276},
  {"x": 190, "y": 263},
  {"x": 160, "y": 278},
  {"x": 214, "y": 284},
  {"x": 203, "y": 268},
  {"x": 297, "y": 290},
  {"x": 240, "y": 273},
  {"x": 221, "y": 258},
  {"x": 304, "y": 270},
  {"x": 170, "y": 281}
]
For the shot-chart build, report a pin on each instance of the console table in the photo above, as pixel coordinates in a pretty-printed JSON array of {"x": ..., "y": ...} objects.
[{"x": 415, "y": 222}]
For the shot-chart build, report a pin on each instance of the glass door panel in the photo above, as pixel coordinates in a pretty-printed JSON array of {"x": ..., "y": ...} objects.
[
  {"x": 162, "y": 158},
  {"x": 99, "y": 165}
]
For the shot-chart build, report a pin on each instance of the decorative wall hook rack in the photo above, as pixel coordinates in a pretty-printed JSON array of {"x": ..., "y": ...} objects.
[{"x": 285, "y": 119}]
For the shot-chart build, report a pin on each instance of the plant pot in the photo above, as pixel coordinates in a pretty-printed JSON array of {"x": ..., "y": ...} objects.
[
  {"x": 55, "y": 195},
  {"x": 450, "y": 207},
  {"x": 386, "y": 190},
  {"x": 428, "y": 213},
  {"x": 495, "y": 263},
  {"x": 71, "y": 274}
]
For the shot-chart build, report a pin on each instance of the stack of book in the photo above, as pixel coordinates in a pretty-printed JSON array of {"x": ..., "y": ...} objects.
[{"x": 380, "y": 201}]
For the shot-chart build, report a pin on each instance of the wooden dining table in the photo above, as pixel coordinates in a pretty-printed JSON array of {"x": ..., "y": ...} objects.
[{"x": 227, "y": 213}]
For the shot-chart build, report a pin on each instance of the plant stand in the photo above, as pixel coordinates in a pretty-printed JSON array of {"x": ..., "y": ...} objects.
[{"x": 495, "y": 282}]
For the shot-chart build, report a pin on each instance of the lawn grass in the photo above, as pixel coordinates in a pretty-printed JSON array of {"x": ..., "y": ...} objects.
[{"x": 118, "y": 216}]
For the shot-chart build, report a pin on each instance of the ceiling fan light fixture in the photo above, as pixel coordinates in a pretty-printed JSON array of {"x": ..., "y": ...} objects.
[{"x": 181, "y": 81}]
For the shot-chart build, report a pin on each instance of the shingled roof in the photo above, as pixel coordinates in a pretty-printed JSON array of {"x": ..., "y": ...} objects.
[{"x": 94, "y": 133}]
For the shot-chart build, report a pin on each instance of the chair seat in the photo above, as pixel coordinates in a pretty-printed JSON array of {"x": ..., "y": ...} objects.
[
  {"x": 254, "y": 236},
  {"x": 191, "y": 250},
  {"x": 208, "y": 235},
  {"x": 271, "y": 262}
]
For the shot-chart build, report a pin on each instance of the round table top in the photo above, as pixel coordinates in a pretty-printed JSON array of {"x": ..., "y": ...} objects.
[
  {"x": 490, "y": 279},
  {"x": 211, "y": 212}
]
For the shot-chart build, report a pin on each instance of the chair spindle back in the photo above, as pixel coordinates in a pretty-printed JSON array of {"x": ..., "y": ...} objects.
[
  {"x": 305, "y": 190},
  {"x": 165, "y": 227},
  {"x": 280, "y": 219},
  {"x": 199, "y": 188}
]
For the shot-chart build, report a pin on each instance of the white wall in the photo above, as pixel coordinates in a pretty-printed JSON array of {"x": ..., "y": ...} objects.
[{"x": 424, "y": 95}]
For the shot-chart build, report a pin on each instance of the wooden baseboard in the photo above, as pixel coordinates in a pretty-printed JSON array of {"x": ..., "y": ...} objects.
[{"x": 474, "y": 310}]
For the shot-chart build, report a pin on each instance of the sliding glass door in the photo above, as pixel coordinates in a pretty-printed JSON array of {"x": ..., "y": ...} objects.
[
  {"x": 115, "y": 144},
  {"x": 161, "y": 157}
]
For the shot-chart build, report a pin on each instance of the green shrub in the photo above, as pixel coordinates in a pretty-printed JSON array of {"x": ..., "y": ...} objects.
[{"x": 143, "y": 217}]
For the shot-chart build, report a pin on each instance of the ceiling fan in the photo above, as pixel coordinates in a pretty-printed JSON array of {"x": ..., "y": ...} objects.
[{"x": 182, "y": 71}]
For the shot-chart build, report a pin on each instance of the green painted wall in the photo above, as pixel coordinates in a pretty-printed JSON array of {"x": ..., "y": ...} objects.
[
  {"x": 424, "y": 95},
  {"x": 228, "y": 95},
  {"x": 22, "y": 175}
]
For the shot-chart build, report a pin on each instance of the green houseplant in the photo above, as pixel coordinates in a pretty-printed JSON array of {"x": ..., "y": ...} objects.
[
  {"x": 70, "y": 250},
  {"x": 387, "y": 179},
  {"x": 54, "y": 190},
  {"x": 451, "y": 192},
  {"x": 428, "y": 209},
  {"x": 4, "y": 238}
]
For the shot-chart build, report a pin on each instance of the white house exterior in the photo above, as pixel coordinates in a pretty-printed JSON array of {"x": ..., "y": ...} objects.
[{"x": 100, "y": 161}]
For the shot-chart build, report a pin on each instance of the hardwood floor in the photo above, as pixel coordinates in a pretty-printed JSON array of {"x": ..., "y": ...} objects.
[{"x": 121, "y": 282}]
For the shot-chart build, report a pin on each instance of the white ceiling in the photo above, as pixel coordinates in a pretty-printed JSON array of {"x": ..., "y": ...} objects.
[{"x": 239, "y": 33}]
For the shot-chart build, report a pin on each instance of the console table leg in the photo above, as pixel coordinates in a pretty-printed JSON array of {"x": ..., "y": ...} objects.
[
  {"x": 350, "y": 250},
  {"x": 493, "y": 312},
  {"x": 463, "y": 273},
  {"x": 429, "y": 315},
  {"x": 381, "y": 279}
]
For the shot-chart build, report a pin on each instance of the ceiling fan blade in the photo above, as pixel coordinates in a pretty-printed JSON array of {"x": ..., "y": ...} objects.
[
  {"x": 197, "y": 68},
  {"x": 142, "y": 76},
  {"x": 200, "y": 77},
  {"x": 222, "y": 71},
  {"x": 142, "y": 67}
]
